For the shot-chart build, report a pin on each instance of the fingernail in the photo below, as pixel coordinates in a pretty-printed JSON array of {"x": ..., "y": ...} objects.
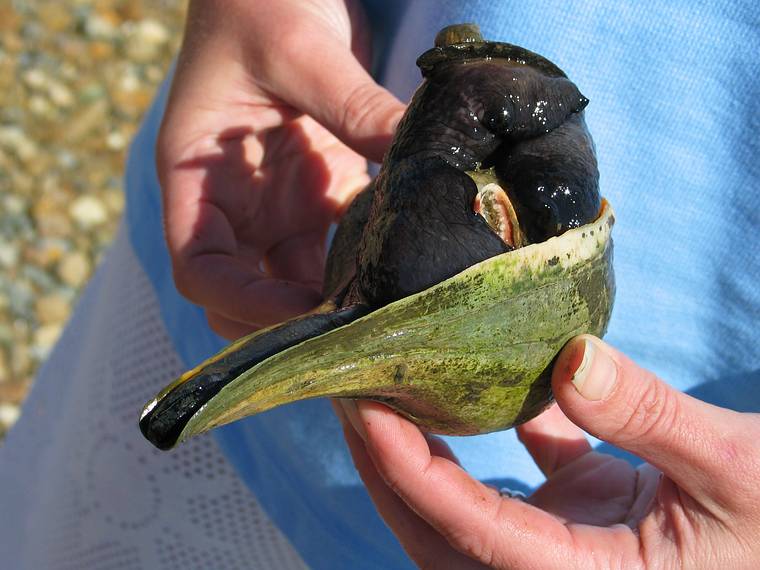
[
  {"x": 595, "y": 376},
  {"x": 352, "y": 413}
]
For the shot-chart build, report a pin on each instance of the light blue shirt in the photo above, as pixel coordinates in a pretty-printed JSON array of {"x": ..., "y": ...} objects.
[{"x": 675, "y": 114}]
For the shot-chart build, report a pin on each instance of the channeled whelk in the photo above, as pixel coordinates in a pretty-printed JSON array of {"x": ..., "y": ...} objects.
[{"x": 483, "y": 246}]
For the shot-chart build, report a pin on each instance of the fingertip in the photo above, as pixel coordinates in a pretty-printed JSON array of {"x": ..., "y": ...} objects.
[
  {"x": 227, "y": 328},
  {"x": 368, "y": 120},
  {"x": 374, "y": 146}
]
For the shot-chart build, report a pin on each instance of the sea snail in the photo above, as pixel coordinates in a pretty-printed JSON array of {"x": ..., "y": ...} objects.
[{"x": 483, "y": 246}]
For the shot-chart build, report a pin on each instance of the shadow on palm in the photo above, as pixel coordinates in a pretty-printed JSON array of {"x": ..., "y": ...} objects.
[{"x": 257, "y": 249}]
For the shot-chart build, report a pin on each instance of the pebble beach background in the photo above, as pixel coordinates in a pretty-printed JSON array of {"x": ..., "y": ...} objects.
[{"x": 76, "y": 76}]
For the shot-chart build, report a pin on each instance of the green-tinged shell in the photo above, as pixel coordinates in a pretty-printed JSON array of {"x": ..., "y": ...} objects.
[{"x": 469, "y": 355}]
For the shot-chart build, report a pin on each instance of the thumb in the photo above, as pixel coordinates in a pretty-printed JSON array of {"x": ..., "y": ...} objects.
[
  {"x": 608, "y": 395},
  {"x": 327, "y": 82}
]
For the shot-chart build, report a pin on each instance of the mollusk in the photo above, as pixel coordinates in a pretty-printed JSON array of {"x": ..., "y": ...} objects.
[{"x": 483, "y": 247}]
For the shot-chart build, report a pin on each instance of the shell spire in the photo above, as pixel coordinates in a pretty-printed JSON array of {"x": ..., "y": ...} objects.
[{"x": 458, "y": 34}]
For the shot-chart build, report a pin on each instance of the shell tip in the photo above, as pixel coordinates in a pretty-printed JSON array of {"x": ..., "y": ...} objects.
[{"x": 458, "y": 34}]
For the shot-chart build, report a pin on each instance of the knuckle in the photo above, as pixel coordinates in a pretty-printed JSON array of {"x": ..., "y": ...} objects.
[
  {"x": 739, "y": 453},
  {"x": 362, "y": 104},
  {"x": 470, "y": 543},
  {"x": 732, "y": 450},
  {"x": 292, "y": 46},
  {"x": 479, "y": 542},
  {"x": 390, "y": 476},
  {"x": 655, "y": 411}
]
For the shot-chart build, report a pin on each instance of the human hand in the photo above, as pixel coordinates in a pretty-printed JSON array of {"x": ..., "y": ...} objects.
[
  {"x": 263, "y": 143},
  {"x": 695, "y": 505}
]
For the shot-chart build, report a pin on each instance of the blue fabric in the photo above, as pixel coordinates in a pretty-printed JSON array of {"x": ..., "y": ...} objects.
[{"x": 675, "y": 112}]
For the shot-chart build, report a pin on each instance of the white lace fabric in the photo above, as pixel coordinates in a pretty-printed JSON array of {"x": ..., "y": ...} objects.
[{"x": 81, "y": 489}]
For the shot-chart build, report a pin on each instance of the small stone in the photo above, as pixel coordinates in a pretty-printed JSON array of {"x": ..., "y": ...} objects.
[
  {"x": 35, "y": 78},
  {"x": 8, "y": 415},
  {"x": 52, "y": 308},
  {"x": 40, "y": 106},
  {"x": 116, "y": 140},
  {"x": 145, "y": 40},
  {"x": 68, "y": 72},
  {"x": 15, "y": 205},
  {"x": 72, "y": 47},
  {"x": 74, "y": 269},
  {"x": 152, "y": 32},
  {"x": 9, "y": 254},
  {"x": 132, "y": 102},
  {"x": 67, "y": 159},
  {"x": 38, "y": 278},
  {"x": 13, "y": 392},
  {"x": 13, "y": 42},
  {"x": 132, "y": 10},
  {"x": 32, "y": 31},
  {"x": 50, "y": 217},
  {"x": 88, "y": 211},
  {"x": 100, "y": 50},
  {"x": 60, "y": 95},
  {"x": 84, "y": 122},
  {"x": 103, "y": 25},
  {"x": 155, "y": 74},
  {"x": 21, "y": 329},
  {"x": 22, "y": 183},
  {"x": 15, "y": 140},
  {"x": 46, "y": 252},
  {"x": 44, "y": 339},
  {"x": 129, "y": 81},
  {"x": 20, "y": 299},
  {"x": 55, "y": 16},
  {"x": 42, "y": 163}
]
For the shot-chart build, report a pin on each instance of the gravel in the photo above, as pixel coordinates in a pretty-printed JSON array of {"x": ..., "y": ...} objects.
[{"x": 75, "y": 78}]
